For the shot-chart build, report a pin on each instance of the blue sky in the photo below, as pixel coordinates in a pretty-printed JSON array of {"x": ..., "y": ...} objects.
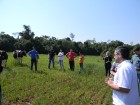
[{"x": 101, "y": 20}]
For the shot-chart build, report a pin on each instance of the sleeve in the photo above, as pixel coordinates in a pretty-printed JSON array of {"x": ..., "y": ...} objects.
[
  {"x": 125, "y": 78},
  {"x": 37, "y": 52},
  {"x": 67, "y": 54},
  {"x": 60, "y": 54},
  {"x": 29, "y": 52}
]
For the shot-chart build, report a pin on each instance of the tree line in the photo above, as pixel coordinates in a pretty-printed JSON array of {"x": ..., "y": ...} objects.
[{"x": 26, "y": 40}]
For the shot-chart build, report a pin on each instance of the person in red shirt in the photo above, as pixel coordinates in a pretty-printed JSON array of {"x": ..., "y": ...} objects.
[{"x": 71, "y": 55}]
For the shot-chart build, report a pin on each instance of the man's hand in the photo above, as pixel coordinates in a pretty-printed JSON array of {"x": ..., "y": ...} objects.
[{"x": 109, "y": 81}]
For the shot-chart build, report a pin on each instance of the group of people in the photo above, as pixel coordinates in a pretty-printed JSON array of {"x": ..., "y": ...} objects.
[
  {"x": 124, "y": 82},
  {"x": 34, "y": 55},
  {"x": 126, "y": 73},
  {"x": 51, "y": 55},
  {"x": 126, "y": 76},
  {"x": 70, "y": 55}
]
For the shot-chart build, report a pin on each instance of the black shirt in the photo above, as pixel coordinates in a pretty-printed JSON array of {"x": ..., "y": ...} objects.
[{"x": 51, "y": 54}]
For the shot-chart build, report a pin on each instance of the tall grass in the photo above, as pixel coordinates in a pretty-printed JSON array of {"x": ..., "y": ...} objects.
[{"x": 21, "y": 86}]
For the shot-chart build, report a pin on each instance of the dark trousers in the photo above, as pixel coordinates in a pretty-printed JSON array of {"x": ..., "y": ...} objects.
[
  {"x": 51, "y": 60},
  {"x": 33, "y": 62},
  {"x": 107, "y": 68},
  {"x": 71, "y": 64},
  {"x": 81, "y": 66}
]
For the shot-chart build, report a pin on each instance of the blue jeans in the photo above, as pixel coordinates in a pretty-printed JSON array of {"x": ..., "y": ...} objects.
[
  {"x": 51, "y": 60},
  {"x": 61, "y": 64}
]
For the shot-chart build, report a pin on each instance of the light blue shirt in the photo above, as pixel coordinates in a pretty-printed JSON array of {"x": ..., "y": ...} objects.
[{"x": 136, "y": 61}]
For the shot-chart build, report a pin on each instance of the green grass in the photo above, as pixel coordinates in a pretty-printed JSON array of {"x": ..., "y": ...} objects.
[{"x": 21, "y": 86}]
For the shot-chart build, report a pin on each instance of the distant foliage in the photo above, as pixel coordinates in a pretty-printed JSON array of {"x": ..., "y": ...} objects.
[{"x": 26, "y": 39}]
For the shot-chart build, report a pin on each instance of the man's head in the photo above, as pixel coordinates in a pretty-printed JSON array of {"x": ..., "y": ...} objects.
[
  {"x": 121, "y": 53},
  {"x": 107, "y": 53},
  {"x": 136, "y": 50},
  {"x": 33, "y": 48},
  {"x": 71, "y": 50}
]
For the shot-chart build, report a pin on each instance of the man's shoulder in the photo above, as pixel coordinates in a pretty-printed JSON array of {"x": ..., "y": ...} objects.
[
  {"x": 30, "y": 51},
  {"x": 74, "y": 53},
  {"x": 135, "y": 57}
]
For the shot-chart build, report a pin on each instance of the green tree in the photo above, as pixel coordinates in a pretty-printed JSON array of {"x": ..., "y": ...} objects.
[
  {"x": 72, "y": 36},
  {"x": 26, "y": 34},
  {"x": 6, "y": 42}
]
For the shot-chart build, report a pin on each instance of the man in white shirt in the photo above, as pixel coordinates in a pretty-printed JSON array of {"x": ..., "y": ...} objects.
[
  {"x": 124, "y": 84},
  {"x": 60, "y": 59}
]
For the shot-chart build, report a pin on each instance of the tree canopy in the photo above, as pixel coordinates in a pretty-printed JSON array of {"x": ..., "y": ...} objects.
[{"x": 26, "y": 39}]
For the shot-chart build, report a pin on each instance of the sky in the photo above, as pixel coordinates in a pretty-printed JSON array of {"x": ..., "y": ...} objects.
[{"x": 102, "y": 20}]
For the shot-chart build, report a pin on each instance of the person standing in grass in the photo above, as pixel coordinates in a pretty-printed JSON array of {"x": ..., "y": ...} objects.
[
  {"x": 124, "y": 84},
  {"x": 81, "y": 61},
  {"x": 51, "y": 58},
  {"x": 34, "y": 58},
  {"x": 60, "y": 59},
  {"x": 71, "y": 55},
  {"x": 1, "y": 69},
  {"x": 136, "y": 62},
  {"x": 107, "y": 59}
]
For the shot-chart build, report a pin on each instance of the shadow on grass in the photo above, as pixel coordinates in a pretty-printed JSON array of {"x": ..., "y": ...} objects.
[
  {"x": 7, "y": 68},
  {"x": 41, "y": 72},
  {"x": 24, "y": 65}
]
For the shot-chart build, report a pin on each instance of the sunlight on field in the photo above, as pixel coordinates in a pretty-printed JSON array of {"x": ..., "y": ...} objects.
[{"x": 21, "y": 86}]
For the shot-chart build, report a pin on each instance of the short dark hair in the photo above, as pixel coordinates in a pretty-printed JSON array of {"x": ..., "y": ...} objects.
[
  {"x": 136, "y": 49},
  {"x": 33, "y": 47},
  {"x": 124, "y": 51}
]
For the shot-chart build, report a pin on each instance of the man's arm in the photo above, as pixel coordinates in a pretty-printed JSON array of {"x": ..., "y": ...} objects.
[
  {"x": 60, "y": 54},
  {"x": 67, "y": 54},
  {"x": 113, "y": 86},
  {"x": 28, "y": 53}
]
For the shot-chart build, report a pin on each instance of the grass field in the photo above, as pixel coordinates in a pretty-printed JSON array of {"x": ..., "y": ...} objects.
[{"x": 21, "y": 86}]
